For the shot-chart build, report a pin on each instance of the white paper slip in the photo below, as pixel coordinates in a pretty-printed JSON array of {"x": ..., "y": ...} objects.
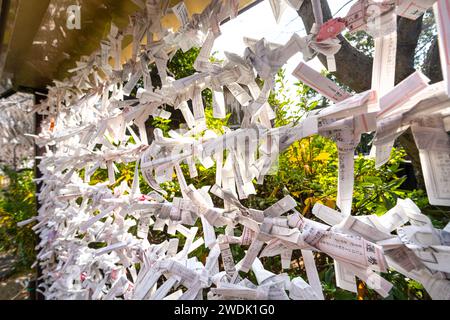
[
  {"x": 402, "y": 92},
  {"x": 345, "y": 278},
  {"x": 228, "y": 261},
  {"x": 300, "y": 290},
  {"x": 278, "y": 7},
  {"x": 344, "y": 196},
  {"x": 442, "y": 16},
  {"x": 328, "y": 215},
  {"x": 219, "y": 110},
  {"x": 346, "y": 248},
  {"x": 358, "y": 104},
  {"x": 372, "y": 279},
  {"x": 311, "y": 271}
]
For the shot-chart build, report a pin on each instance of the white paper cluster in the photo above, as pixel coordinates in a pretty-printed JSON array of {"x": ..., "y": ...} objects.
[{"x": 96, "y": 126}]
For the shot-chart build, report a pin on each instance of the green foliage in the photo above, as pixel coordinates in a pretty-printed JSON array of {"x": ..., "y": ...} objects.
[{"x": 17, "y": 203}]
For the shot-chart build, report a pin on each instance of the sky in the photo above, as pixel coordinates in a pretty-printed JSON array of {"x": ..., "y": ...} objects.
[{"x": 258, "y": 22}]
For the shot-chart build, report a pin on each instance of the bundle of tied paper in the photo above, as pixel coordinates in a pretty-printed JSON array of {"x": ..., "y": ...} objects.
[{"x": 94, "y": 238}]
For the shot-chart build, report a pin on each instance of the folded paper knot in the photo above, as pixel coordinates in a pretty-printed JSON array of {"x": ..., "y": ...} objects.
[{"x": 262, "y": 293}]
